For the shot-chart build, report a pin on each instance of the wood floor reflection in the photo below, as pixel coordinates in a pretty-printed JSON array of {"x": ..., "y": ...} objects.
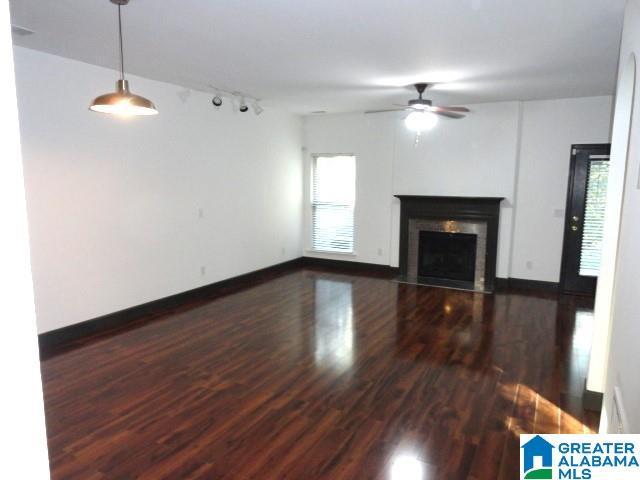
[{"x": 316, "y": 374}]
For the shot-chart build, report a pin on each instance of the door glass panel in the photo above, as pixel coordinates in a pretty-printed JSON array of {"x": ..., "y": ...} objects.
[{"x": 592, "y": 231}]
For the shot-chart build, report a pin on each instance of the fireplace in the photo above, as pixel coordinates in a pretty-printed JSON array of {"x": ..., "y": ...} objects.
[
  {"x": 449, "y": 241},
  {"x": 447, "y": 256}
]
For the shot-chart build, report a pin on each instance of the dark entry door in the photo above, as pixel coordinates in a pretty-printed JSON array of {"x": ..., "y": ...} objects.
[{"x": 584, "y": 223}]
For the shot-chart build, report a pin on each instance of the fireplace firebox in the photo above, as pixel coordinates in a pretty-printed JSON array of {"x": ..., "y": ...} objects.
[{"x": 445, "y": 256}]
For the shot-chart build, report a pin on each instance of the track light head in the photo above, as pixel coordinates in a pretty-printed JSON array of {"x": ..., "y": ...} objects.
[
  {"x": 257, "y": 108},
  {"x": 217, "y": 101},
  {"x": 243, "y": 106}
]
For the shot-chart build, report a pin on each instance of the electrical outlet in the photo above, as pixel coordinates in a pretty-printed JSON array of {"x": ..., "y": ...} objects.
[
  {"x": 529, "y": 265},
  {"x": 379, "y": 252},
  {"x": 283, "y": 251},
  {"x": 203, "y": 270},
  {"x": 200, "y": 212}
]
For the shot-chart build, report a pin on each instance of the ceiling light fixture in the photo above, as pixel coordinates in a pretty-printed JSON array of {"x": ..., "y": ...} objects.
[
  {"x": 239, "y": 100},
  {"x": 419, "y": 121},
  {"x": 122, "y": 102}
]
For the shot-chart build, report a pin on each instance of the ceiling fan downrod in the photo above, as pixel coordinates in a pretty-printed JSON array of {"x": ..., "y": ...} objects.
[{"x": 421, "y": 87}]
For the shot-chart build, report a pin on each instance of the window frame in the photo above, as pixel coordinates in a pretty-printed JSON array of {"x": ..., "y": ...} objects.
[{"x": 314, "y": 158}]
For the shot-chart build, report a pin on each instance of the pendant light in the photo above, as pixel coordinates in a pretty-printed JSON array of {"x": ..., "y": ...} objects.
[{"x": 122, "y": 102}]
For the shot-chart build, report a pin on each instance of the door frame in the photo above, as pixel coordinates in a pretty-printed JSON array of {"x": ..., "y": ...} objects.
[{"x": 599, "y": 149}]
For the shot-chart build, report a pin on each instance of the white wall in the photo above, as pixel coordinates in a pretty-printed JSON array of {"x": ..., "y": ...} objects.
[
  {"x": 495, "y": 151},
  {"x": 596, "y": 378},
  {"x": 23, "y": 440},
  {"x": 471, "y": 157},
  {"x": 371, "y": 139},
  {"x": 114, "y": 204},
  {"x": 624, "y": 355},
  {"x": 549, "y": 128}
]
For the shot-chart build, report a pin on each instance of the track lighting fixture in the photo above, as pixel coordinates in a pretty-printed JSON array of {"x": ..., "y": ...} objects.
[
  {"x": 238, "y": 99},
  {"x": 122, "y": 101}
]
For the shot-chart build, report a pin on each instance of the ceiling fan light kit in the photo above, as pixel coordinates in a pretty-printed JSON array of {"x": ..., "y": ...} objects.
[
  {"x": 420, "y": 121},
  {"x": 423, "y": 115},
  {"x": 122, "y": 102}
]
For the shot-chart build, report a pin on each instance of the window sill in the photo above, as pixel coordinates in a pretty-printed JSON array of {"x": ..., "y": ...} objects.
[{"x": 329, "y": 252}]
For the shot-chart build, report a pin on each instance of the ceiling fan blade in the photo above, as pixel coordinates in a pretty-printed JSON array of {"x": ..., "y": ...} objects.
[
  {"x": 450, "y": 109},
  {"x": 444, "y": 113},
  {"x": 387, "y": 110}
]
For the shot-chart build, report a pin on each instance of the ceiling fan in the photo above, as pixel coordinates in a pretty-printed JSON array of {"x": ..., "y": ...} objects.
[{"x": 423, "y": 113}]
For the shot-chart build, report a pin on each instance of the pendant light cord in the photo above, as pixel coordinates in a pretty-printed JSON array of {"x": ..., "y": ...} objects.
[{"x": 121, "y": 47}]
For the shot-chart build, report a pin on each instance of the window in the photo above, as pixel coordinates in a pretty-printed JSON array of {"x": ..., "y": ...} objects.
[
  {"x": 592, "y": 232},
  {"x": 333, "y": 202}
]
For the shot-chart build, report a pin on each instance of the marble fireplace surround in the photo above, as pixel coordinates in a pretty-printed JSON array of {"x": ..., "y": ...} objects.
[{"x": 476, "y": 215}]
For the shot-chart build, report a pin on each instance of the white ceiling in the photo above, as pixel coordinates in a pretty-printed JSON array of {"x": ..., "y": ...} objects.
[{"x": 345, "y": 55}]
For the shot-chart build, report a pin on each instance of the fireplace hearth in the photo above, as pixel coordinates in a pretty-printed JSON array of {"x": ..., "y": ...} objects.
[{"x": 449, "y": 241}]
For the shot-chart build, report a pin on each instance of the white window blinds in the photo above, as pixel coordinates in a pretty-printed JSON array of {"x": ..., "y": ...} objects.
[
  {"x": 333, "y": 202},
  {"x": 596, "y": 200}
]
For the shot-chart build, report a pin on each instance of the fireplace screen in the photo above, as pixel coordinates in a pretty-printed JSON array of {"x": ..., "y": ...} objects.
[{"x": 447, "y": 256}]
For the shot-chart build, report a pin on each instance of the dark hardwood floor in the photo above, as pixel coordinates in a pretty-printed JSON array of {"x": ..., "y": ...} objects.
[{"x": 317, "y": 374}]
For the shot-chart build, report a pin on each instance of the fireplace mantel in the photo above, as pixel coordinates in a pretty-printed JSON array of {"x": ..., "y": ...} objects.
[
  {"x": 443, "y": 208},
  {"x": 440, "y": 199}
]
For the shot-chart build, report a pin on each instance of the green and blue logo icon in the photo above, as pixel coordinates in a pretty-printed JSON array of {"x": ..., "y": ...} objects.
[{"x": 537, "y": 459}]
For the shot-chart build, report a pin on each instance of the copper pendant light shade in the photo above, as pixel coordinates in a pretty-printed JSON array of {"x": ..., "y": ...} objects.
[{"x": 122, "y": 101}]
